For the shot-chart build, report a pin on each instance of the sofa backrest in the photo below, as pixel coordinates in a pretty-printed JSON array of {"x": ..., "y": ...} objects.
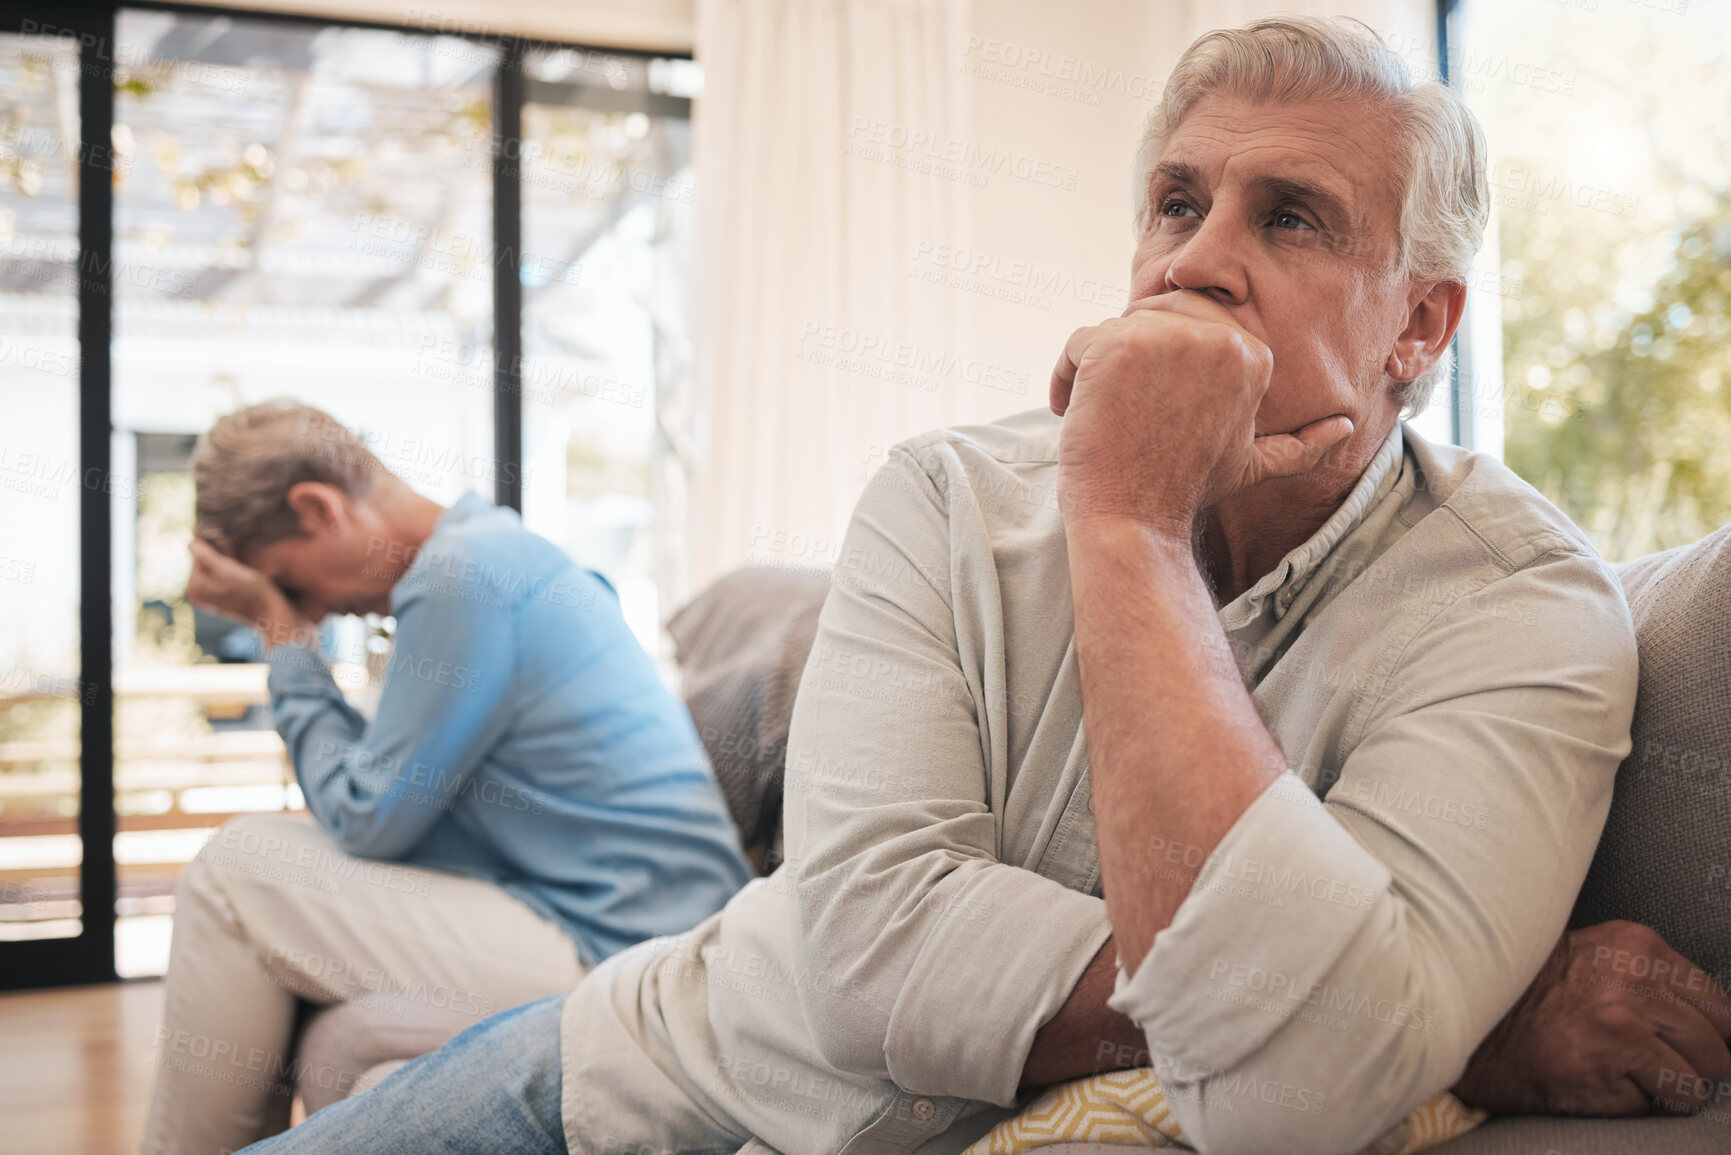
[
  {"x": 1665, "y": 857},
  {"x": 741, "y": 645}
]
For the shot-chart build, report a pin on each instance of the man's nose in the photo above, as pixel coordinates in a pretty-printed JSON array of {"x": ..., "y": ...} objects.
[{"x": 1212, "y": 260}]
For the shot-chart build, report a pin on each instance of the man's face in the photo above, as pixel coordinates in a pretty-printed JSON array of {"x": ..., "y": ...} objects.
[
  {"x": 1287, "y": 217},
  {"x": 336, "y": 566}
]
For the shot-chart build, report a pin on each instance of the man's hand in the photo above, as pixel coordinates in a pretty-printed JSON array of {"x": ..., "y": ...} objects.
[
  {"x": 1616, "y": 1023},
  {"x": 1159, "y": 410},
  {"x": 235, "y": 590}
]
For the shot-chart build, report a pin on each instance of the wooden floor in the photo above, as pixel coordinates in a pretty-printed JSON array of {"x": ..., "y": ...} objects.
[{"x": 75, "y": 1068}]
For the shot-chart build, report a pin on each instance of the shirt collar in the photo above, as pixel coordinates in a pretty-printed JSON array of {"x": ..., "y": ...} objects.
[
  {"x": 1285, "y": 579},
  {"x": 464, "y": 508}
]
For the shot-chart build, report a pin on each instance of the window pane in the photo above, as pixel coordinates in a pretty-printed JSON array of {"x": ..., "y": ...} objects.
[
  {"x": 1611, "y": 181},
  {"x": 39, "y": 493},
  {"x": 607, "y": 195},
  {"x": 306, "y": 211}
]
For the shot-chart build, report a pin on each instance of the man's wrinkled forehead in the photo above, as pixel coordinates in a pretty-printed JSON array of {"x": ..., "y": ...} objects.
[{"x": 1333, "y": 155}]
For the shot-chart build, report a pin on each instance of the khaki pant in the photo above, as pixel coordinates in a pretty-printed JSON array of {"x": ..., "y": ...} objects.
[{"x": 271, "y": 911}]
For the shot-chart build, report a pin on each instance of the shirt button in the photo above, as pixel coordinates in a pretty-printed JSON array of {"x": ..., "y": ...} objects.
[{"x": 924, "y": 1109}]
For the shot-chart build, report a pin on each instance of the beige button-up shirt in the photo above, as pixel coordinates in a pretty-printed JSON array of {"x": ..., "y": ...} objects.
[{"x": 1450, "y": 670}]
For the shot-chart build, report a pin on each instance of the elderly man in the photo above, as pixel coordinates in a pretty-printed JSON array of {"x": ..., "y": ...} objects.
[{"x": 1274, "y": 688}]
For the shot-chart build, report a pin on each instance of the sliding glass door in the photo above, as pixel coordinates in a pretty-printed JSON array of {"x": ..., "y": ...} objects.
[{"x": 200, "y": 210}]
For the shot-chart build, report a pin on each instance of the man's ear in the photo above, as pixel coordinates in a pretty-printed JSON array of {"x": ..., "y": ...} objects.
[
  {"x": 1433, "y": 315},
  {"x": 322, "y": 508}
]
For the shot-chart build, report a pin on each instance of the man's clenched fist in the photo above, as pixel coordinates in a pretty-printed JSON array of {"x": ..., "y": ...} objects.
[{"x": 1159, "y": 409}]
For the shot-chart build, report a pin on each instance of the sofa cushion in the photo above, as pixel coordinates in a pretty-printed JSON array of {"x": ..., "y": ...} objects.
[
  {"x": 741, "y": 645},
  {"x": 1665, "y": 857},
  {"x": 1708, "y": 1133}
]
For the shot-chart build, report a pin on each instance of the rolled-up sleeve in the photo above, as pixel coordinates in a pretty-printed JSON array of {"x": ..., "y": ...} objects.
[
  {"x": 1337, "y": 962},
  {"x": 938, "y": 961}
]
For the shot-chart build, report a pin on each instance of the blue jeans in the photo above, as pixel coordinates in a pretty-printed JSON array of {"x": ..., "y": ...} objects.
[{"x": 492, "y": 1090}]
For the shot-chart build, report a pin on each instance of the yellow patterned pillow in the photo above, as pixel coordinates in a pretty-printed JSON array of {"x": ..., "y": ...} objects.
[{"x": 1128, "y": 1108}]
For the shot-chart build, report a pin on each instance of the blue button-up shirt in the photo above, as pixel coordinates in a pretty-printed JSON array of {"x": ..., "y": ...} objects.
[{"x": 522, "y": 737}]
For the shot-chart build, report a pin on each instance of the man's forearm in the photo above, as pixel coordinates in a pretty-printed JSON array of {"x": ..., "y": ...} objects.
[
  {"x": 1176, "y": 749},
  {"x": 1086, "y": 1036}
]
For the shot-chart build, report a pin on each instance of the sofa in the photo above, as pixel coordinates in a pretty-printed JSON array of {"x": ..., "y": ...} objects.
[{"x": 1664, "y": 859}]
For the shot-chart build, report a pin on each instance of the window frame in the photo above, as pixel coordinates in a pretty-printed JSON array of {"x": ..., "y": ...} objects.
[{"x": 90, "y": 956}]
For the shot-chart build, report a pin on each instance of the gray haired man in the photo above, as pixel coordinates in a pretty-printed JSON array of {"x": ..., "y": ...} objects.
[{"x": 1275, "y": 687}]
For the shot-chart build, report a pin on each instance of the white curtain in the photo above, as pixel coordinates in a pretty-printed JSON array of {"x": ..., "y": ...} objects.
[
  {"x": 835, "y": 142},
  {"x": 813, "y": 346},
  {"x": 1400, "y": 23}
]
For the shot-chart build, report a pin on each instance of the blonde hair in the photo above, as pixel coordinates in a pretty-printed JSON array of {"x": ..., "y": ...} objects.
[
  {"x": 1445, "y": 199},
  {"x": 243, "y": 468}
]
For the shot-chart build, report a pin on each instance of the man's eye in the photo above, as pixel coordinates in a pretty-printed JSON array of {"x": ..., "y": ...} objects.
[
  {"x": 1176, "y": 208},
  {"x": 1286, "y": 219}
]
